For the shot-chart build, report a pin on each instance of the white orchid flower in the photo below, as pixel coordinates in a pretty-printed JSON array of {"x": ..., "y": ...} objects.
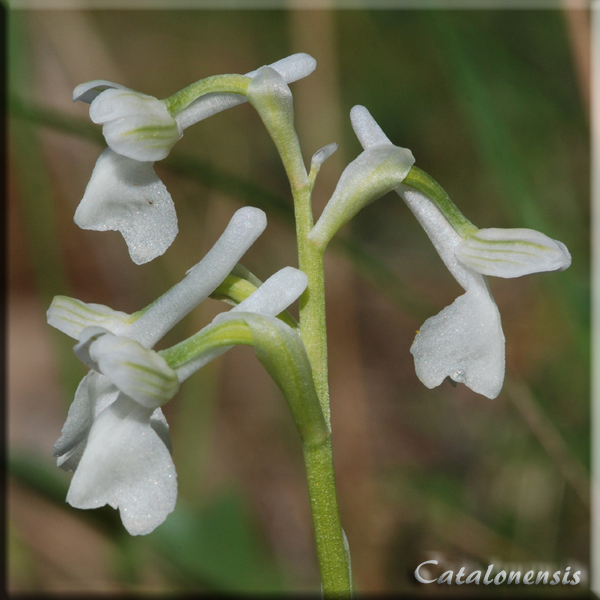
[
  {"x": 125, "y": 462},
  {"x": 465, "y": 341},
  {"x": 116, "y": 437},
  {"x": 124, "y": 193}
]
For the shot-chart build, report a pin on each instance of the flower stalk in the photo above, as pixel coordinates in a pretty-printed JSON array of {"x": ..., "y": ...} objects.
[
  {"x": 236, "y": 84},
  {"x": 272, "y": 99}
]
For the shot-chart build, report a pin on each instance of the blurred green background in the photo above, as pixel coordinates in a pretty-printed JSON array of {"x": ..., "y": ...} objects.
[{"x": 495, "y": 106}]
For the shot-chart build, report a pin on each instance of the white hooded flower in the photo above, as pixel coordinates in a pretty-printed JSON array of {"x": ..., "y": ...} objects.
[
  {"x": 465, "y": 340},
  {"x": 124, "y": 193},
  {"x": 126, "y": 461},
  {"x": 116, "y": 438}
]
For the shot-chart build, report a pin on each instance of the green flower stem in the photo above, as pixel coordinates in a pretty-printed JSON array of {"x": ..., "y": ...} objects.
[
  {"x": 276, "y": 112},
  {"x": 331, "y": 552},
  {"x": 313, "y": 329},
  {"x": 334, "y": 567},
  {"x": 236, "y": 84},
  {"x": 229, "y": 333},
  {"x": 427, "y": 185},
  {"x": 316, "y": 444}
]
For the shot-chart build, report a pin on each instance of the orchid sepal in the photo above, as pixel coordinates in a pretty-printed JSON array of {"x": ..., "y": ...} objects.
[
  {"x": 512, "y": 252},
  {"x": 138, "y": 372},
  {"x": 135, "y": 125},
  {"x": 72, "y": 316},
  {"x": 375, "y": 172},
  {"x": 87, "y": 92}
]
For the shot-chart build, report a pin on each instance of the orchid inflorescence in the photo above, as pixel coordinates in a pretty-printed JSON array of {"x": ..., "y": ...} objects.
[{"x": 116, "y": 438}]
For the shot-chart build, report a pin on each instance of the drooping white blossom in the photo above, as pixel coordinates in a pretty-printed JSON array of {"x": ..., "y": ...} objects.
[
  {"x": 124, "y": 193},
  {"x": 465, "y": 341},
  {"x": 116, "y": 438}
]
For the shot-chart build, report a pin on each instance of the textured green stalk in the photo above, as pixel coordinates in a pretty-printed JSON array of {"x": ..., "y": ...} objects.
[
  {"x": 273, "y": 101},
  {"x": 333, "y": 564},
  {"x": 225, "y": 334},
  {"x": 237, "y": 84},
  {"x": 313, "y": 327},
  {"x": 335, "y": 570}
]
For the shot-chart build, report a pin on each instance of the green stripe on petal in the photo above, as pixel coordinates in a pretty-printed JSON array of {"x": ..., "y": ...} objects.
[
  {"x": 72, "y": 316},
  {"x": 140, "y": 373},
  {"x": 512, "y": 252},
  {"x": 135, "y": 125}
]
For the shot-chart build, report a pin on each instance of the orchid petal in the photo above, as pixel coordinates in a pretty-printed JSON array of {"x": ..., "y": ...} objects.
[
  {"x": 464, "y": 342},
  {"x": 127, "y": 466},
  {"x": 126, "y": 195},
  {"x": 135, "y": 125},
  {"x": 115, "y": 104},
  {"x": 512, "y": 252},
  {"x": 82, "y": 349},
  {"x": 87, "y": 92},
  {"x": 290, "y": 68},
  {"x": 72, "y": 316},
  {"x": 140, "y": 373},
  {"x": 94, "y": 394},
  {"x": 159, "y": 424}
]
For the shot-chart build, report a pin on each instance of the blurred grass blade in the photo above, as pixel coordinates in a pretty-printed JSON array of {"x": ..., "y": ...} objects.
[
  {"x": 549, "y": 437},
  {"x": 27, "y": 169}
]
